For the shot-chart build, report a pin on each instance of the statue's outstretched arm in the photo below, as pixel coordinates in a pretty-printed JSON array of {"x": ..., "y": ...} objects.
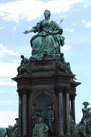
[{"x": 28, "y": 31}]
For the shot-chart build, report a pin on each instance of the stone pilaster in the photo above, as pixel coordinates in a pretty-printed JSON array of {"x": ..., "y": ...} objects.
[
  {"x": 60, "y": 119},
  {"x": 24, "y": 114},
  {"x": 67, "y": 113},
  {"x": 23, "y": 121},
  {"x": 73, "y": 107},
  {"x": 20, "y": 113}
]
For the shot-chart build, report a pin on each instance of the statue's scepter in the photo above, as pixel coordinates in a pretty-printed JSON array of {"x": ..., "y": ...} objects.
[{"x": 60, "y": 21}]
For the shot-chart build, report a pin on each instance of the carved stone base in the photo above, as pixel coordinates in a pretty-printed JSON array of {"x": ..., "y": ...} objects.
[{"x": 45, "y": 86}]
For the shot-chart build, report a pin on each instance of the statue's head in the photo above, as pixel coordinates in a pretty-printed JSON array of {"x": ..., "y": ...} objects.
[
  {"x": 47, "y": 13},
  {"x": 22, "y": 56},
  {"x": 16, "y": 119},
  {"x": 85, "y": 104},
  {"x": 49, "y": 107},
  {"x": 40, "y": 119}
]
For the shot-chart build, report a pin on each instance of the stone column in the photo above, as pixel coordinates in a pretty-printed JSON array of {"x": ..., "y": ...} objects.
[
  {"x": 20, "y": 113},
  {"x": 67, "y": 113},
  {"x": 24, "y": 114},
  {"x": 73, "y": 107},
  {"x": 60, "y": 119}
]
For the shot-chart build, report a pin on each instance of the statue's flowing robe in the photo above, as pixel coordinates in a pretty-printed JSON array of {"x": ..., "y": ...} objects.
[
  {"x": 45, "y": 42},
  {"x": 40, "y": 130}
]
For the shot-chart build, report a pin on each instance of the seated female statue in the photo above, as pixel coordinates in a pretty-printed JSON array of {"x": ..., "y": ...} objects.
[{"x": 48, "y": 39}]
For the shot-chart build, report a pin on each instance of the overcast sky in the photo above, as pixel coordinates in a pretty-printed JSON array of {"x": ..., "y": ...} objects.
[{"x": 18, "y": 15}]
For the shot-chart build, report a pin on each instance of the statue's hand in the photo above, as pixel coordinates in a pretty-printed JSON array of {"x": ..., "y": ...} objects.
[
  {"x": 50, "y": 32},
  {"x": 26, "y": 31}
]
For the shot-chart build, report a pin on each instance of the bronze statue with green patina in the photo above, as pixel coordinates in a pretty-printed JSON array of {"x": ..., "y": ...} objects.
[
  {"x": 40, "y": 129},
  {"x": 48, "y": 39},
  {"x": 50, "y": 118},
  {"x": 83, "y": 129}
]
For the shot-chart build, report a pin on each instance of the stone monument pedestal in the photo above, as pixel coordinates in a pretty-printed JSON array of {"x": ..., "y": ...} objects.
[{"x": 46, "y": 86}]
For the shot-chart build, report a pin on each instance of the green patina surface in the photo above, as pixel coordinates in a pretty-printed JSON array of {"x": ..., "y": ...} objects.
[
  {"x": 48, "y": 39},
  {"x": 3, "y": 132}
]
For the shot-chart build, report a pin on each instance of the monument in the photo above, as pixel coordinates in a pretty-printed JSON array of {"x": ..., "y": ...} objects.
[{"x": 46, "y": 85}]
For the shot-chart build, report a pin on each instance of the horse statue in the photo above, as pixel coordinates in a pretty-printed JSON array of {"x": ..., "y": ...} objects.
[
  {"x": 83, "y": 129},
  {"x": 6, "y": 132},
  {"x": 10, "y": 131},
  {"x": 3, "y": 132}
]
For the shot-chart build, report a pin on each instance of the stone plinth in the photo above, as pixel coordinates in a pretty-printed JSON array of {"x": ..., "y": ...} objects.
[{"x": 46, "y": 86}]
